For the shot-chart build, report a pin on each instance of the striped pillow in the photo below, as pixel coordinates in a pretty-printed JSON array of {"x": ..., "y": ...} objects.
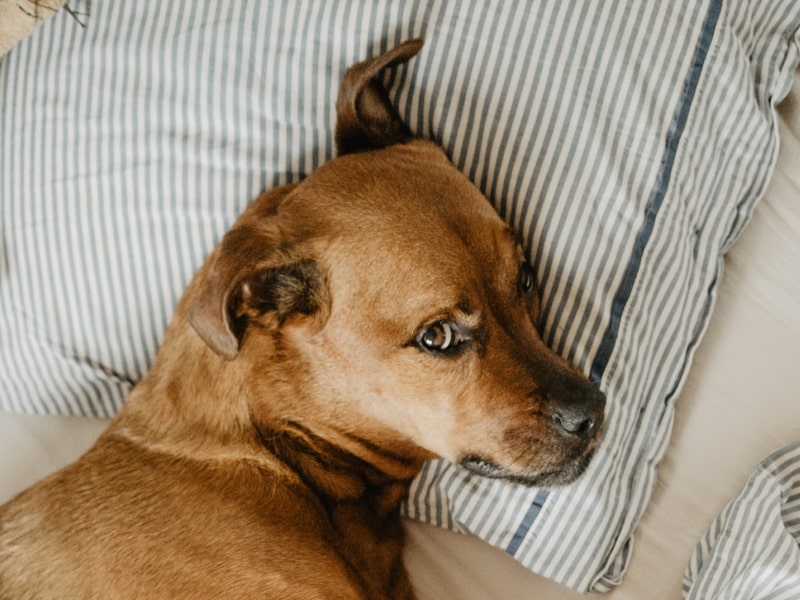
[{"x": 627, "y": 142}]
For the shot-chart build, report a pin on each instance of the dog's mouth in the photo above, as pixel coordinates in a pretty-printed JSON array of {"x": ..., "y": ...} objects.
[{"x": 566, "y": 474}]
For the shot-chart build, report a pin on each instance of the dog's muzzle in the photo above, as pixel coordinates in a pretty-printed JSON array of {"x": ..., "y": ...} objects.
[{"x": 551, "y": 478}]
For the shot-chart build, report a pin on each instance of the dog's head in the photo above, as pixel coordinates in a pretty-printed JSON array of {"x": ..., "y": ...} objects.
[{"x": 393, "y": 309}]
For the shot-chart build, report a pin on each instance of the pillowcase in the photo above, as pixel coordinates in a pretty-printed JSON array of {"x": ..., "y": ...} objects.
[{"x": 626, "y": 142}]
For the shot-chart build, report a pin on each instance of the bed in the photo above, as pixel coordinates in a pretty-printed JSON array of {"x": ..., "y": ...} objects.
[{"x": 648, "y": 155}]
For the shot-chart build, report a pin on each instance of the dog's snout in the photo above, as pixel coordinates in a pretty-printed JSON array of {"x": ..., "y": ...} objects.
[{"x": 581, "y": 416}]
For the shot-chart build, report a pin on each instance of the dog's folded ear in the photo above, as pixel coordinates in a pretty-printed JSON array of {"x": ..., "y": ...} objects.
[
  {"x": 251, "y": 283},
  {"x": 365, "y": 118}
]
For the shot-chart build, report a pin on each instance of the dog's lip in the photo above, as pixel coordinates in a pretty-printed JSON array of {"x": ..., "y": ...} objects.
[{"x": 545, "y": 478}]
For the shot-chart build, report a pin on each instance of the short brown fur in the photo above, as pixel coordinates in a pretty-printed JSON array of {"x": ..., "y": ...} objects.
[{"x": 267, "y": 451}]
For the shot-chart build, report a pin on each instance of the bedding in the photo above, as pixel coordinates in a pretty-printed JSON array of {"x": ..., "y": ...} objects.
[
  {"x": 753, "y": 549},
  {"x": 626, "y": 142}
]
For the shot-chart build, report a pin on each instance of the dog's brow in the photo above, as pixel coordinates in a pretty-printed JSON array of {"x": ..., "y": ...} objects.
[{"x": 459, "y": 310}]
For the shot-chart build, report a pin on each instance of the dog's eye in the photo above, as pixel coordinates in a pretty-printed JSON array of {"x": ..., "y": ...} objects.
[
  {"x": 527, "y": 280},
  {"x": 440, "y": 336}
]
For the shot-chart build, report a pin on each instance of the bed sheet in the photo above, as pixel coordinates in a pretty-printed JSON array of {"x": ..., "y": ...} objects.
[{"x": 738, "y": 405}]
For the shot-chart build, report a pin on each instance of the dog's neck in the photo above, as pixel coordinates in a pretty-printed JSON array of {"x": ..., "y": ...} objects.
[{"x": 349, "y": 472}]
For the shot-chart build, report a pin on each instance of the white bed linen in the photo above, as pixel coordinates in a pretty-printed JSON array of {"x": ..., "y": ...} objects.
[{"x": 739, "y": 404}]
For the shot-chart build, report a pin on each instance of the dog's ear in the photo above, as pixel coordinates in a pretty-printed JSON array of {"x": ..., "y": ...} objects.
[
  {"x": 251, "y": 282},
  {"x": 365, "y": 118}
]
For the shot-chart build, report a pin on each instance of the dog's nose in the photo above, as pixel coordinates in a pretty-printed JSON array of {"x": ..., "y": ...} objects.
[
  {"x": 579, "y": 425},
  {"x": 581, "y": 417}
]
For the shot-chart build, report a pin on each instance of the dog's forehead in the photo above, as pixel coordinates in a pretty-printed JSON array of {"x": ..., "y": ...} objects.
[
  {"x": 404, "y": 222},
  {"x": 410, "y": 190}
]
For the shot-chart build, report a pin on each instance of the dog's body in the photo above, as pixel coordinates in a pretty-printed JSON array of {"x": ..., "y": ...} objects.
[{"x": 346, "y": 329}]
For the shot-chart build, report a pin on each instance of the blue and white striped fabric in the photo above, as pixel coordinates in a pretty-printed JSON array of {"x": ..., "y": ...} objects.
[
  {"x": 753, "y": 549},
  {"x": 627, "y": 142}
]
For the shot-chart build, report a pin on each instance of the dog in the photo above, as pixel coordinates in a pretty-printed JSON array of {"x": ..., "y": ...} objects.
[{"x": 346, "y": 329}]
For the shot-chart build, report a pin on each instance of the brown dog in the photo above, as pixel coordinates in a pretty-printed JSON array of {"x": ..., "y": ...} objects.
[{"x": 346, "y": 329}]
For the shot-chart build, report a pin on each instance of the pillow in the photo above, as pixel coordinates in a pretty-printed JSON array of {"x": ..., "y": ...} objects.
[
  {"x": 752, "y": 550},
  {"x": 626, "y": 142}
]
